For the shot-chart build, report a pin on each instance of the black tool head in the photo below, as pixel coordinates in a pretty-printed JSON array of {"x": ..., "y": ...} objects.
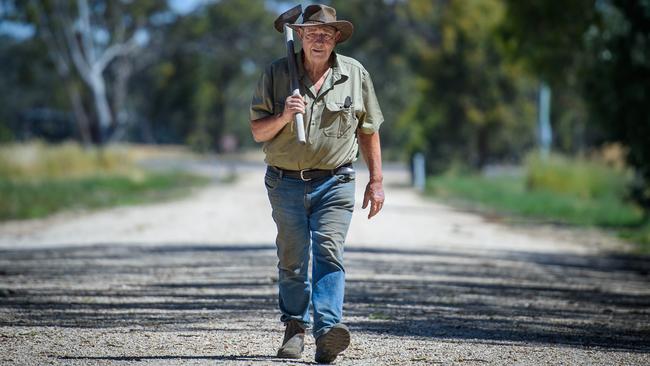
[{"x": 288, "y": 17}]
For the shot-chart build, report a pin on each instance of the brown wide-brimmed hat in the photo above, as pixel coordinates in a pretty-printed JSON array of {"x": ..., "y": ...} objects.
[{"x": 324, "y": 15}]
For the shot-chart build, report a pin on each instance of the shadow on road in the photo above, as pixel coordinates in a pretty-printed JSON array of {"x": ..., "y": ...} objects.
[
  {"x": 480, "y": 297},
  {"x": 264, "y": 358}
]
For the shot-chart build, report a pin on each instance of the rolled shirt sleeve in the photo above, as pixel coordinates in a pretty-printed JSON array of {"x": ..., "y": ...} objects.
[
  {"x": 372, "y": 118},
  {"x": 262, "y": 104}
]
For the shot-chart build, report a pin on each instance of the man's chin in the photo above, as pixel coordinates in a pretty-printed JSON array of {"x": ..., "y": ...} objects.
[{"x": 319, "y": 55}]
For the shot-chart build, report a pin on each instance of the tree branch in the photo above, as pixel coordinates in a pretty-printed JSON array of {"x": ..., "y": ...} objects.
[
  {"x": 86, "y": 31},
  {"x": 77, "y": 55},
  {"x": 120, "y": 49}
]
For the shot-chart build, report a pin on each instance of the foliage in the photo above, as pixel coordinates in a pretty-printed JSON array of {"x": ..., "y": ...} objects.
[
  {"x": 177, "y": 89},
  {"x": 190, "y": 89},
  {"x": 578, "y": 177},
  {"x": 600, "y": 50},
  {"x": 470, "y": 105},
  {"x": 93, "y": 46},
  {"x": 545, "y": 200},
  {"x": 383, "y": 42},
  {"x": 25, "y": 87},
  {"x": 617, "y": 79},
  {"x": 545, "y": 36}
]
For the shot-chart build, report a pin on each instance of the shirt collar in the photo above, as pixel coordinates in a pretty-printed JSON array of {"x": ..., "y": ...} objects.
[{"x": 338, "y": 71}]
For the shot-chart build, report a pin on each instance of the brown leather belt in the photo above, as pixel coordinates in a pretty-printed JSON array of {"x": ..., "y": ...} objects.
[{"x": 309, "y": 174}]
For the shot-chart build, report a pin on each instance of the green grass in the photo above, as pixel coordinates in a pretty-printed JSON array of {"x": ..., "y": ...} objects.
[
  {"x": 37, "y": 160},
  {"x": 38, "y": 198},
  {"x": 37, "y": 179},
  {"x": 510, "y": 195},
  {"x": 578, "y": 177},
  {"x": 559, "y": 190}
]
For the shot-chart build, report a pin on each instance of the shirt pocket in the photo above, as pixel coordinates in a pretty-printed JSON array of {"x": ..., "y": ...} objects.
[{"x": 337, "y": 120}]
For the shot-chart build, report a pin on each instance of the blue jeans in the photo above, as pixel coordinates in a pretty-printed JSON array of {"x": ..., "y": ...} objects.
[{"x": 312, "y": 215}]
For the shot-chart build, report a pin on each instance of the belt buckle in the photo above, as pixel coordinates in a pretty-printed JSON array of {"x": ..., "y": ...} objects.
[{"x": 302, "y": 177}]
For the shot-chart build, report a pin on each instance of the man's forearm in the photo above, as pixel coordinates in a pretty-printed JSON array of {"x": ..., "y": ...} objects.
[
  {"x": 265, "y": 129},
  {"x": 371, "y": 152}
]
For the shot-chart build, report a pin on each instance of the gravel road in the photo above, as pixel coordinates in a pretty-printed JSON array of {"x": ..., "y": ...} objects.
[{"x": 193, "y": 282}]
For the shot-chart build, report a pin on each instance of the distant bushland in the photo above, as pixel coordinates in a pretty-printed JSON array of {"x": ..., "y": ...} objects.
[
  {"x": 559, "y": 190},
  {"x": 37, "y": 179}
]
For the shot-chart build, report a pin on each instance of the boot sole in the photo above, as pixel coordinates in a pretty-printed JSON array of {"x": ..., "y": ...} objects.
[
  {"x": 289, "y": 355},
  {"x": 334, "y": 342}
]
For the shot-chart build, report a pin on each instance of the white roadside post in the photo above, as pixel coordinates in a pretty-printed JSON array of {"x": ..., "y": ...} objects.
[{"x": 419, "y": 172}]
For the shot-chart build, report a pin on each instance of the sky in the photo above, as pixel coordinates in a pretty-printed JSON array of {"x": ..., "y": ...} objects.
[
  {"x": 185, "y": 6},
  {"x": 15, "y": 29}
]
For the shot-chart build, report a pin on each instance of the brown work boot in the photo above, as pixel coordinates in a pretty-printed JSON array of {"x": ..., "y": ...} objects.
[
  {"x": 330, "y": 344},
  {"x": 294, "y": 340}
]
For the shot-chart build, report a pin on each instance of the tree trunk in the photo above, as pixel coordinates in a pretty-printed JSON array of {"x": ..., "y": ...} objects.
[
  {"x": 123, "y": 70},
  {"x": 102, "y": 108},
  {"x": 81, "y": 117}
]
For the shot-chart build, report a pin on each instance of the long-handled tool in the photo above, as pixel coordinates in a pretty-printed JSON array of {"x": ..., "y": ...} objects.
[{"x": 281, "y": 25}]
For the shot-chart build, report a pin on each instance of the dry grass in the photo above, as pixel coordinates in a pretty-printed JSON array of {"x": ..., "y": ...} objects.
[
  {"x": 36, "y": 161},
  {"x": 37, "y": 179}
]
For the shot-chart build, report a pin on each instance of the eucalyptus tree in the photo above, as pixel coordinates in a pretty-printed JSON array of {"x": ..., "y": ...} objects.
[{"x": 86, "y": 38}]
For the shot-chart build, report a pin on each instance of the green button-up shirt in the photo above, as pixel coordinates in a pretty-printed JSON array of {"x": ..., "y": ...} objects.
[{"x": 330, "y": 121}]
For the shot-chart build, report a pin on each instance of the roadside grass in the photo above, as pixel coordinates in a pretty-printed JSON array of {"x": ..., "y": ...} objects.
[
  {"x": 37, "y": 180},
  {"x": 36, "y": 161},
  {"x": 39, "y": 198},
  {"x": 559, "y": 190}
]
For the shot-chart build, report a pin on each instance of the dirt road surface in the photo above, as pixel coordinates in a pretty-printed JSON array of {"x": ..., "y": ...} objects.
[{"x": 193, "y": 282}]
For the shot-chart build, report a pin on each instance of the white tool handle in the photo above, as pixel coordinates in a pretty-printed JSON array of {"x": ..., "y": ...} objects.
[
  {"x": 300, "y": 126},
  {"x": 295, "y": 90}
]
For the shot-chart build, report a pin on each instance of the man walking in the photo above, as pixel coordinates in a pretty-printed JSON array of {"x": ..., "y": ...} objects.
[{"x": 311, "y": 186}]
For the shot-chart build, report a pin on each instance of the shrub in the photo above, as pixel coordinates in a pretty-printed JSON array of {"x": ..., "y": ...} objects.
[
  {"x": 36, "y": 160},
  {"x": 584, "y": 178}
]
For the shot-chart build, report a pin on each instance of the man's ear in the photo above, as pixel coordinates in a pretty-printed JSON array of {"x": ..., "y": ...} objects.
[{"x": 338, "y": 36}]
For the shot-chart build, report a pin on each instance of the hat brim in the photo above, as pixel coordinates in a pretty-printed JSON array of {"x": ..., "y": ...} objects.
[{"x": 346, "y": 28}]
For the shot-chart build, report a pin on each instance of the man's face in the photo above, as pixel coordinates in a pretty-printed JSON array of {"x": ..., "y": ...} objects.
[{"x": 318, "y": 42}]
